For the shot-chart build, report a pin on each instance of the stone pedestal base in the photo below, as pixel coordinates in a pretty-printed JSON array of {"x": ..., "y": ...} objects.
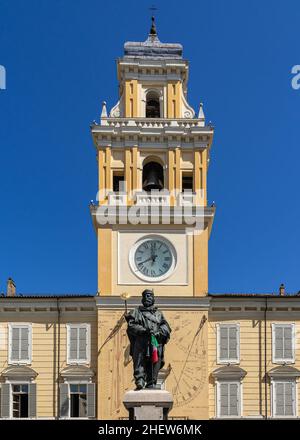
[{"x": 148, "y": 404}]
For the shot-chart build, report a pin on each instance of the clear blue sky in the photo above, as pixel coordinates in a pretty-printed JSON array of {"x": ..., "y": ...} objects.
[{"x": 60, "y": 61}]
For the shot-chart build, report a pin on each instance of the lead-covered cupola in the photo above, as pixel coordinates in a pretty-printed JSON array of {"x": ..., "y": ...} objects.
[{"x": 152, "y": 80}]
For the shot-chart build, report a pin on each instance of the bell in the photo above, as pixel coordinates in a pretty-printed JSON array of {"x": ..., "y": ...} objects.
[{"x": 152, "y": 177}]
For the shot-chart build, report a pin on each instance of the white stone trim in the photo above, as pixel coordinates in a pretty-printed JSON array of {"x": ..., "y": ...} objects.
[
  {"x": 87, "y": 360},
  {"x": 167, "y": 303},
  {"x": 218, "y": 395},
  {"x": 228, "y": 361},
  {"x": 118, "y": 110},
  {"x": 27, "y": 325},
  {"x": 273, "y": 327},
  {"x": 273, "y": 398}
]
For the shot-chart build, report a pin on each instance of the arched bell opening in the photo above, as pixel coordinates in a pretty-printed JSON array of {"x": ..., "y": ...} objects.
[
  {"x": 153, "y": 176},
  {"x": 152, "y": 105}
]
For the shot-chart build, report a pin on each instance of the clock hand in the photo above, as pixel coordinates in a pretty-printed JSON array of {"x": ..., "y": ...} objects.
[
  {"x": 142, "y": 262},
  {"x": 153, "y": 259}
]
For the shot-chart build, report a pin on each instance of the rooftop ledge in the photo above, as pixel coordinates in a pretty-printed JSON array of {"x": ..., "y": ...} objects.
[
  {"x": 165, "y": 123},
  {"x": 196, "y": 217}
]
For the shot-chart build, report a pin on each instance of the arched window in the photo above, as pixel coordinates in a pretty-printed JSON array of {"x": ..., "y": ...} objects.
[
  {"x": 152, "y": 105},
  {"x": 153, "y": 176}
]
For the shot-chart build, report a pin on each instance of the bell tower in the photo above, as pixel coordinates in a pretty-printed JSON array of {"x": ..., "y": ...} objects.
[
  {"x": 153, "y": 154},
  {"x": 153, "y": 223}
]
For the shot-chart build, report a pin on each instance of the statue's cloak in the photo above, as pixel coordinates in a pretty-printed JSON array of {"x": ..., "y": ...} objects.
[{"x": 145, "y": 320}]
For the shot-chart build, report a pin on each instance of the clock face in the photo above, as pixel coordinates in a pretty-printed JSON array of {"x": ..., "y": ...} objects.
[{"x": 153, "y": 259}]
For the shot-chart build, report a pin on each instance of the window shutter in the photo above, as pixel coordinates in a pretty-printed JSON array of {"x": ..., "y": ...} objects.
[
  {"x": 82, "y": 343},
  {"x": 288, "y": 399},
  {"x": 233, "y": 400},
  {"x": 5, "y": 400},
  {"x": 224, "y": 399},
  {"x": 288, "y": 343},
  {"x": 233, "y": 343},
  {"x": 24, "y": 337},
  {"x": 15, "y": 344},
  {"x": 64, "y": 399},
  {"x": 73, "y": 344},
  {"x": 279, "y": 399},
  {"x": 278, "y": 342},
  {"x": 91, "y": 400},
  {"x": 223, "y": 343},
  {"x": 32, "y": 400}
]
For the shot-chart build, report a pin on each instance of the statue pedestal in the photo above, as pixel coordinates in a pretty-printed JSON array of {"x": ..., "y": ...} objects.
[{"x": 148, "y": 404}]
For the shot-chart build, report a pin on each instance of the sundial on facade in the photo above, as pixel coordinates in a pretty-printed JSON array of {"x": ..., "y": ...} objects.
[{"x": 187, "y": 376}]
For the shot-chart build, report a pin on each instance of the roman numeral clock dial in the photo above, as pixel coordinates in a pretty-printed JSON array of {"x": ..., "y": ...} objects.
[{"x": 153, "y": 259}]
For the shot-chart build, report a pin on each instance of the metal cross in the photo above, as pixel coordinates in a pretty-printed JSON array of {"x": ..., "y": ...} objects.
[{"x": 153, "y": 8}]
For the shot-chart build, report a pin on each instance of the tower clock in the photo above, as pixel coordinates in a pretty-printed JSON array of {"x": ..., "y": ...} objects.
[{"x": 153, "y": 154}]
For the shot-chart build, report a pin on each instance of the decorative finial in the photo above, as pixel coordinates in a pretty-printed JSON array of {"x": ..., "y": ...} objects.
[
  {"x": 104, "y": 110},
  {"x": 153, "y": 27},
  {"x": 201, "y": 112}
]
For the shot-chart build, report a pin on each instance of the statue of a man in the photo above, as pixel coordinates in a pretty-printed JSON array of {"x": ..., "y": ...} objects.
[{"x": 148, "y": 332}]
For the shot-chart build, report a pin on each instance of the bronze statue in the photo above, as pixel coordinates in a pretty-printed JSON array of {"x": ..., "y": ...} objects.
[{"x": 148, "y": 332}]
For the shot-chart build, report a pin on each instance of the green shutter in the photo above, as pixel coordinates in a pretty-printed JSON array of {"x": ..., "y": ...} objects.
[
  {"x": 91, "y": 400},
  {"x": 288, "y": 342},
  {"x": 5, "y": 400},
  {"x": 82, "y": 343},
  {"x": 278, "y": 343},
  {"x": 233, "y": 399},
  {"x": 289, "y": 399},
  {"x": 224, "y": 389},
  {"x": 32, "y": 400},
  {"x": 223, "y": 331},
  {"x": 233, "y": 343},
  {"x": 73, "y": 347},
  {"x": 279, "y": 399},
  {"x": 15, "y": 344},
  {"x": 24, "y": 343},
  {"x": 64, "y": 399}
]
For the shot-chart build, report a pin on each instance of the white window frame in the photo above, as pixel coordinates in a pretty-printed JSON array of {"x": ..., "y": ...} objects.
[
  {"x": 228, "y": 361},
  {"x": 17, "y": 382},
  {"x": 12, "y": 325},
  {"x": 283, "y": 361},
  {"x": 218, "y": 395},
  {"x": 76, "y": 382},
  {"x": 88, "y": 343},
  {"x": 273, "y": 397}
]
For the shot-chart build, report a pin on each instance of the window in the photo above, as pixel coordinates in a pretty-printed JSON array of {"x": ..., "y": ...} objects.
[
  {"x": 78, "y": 343},
  {"x": 283, "y": 347},
  {"x": 153, "y": 176},
  {"x": 19, "y": 344},
  {"x": 284, "y": 398},
  {"x": 152, "y": 105},
  {"x": 118, "y": 182},
  {"x": 228, "y": 399},
  {"x": 187, "y": 182},
  {"x": 20, "y": 401},
  {"x": 78, "y": 400},
  {"x": 228, "y": 343}
]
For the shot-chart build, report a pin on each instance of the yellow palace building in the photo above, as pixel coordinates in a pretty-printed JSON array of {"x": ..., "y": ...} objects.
[{"x": 229, "y": 356}]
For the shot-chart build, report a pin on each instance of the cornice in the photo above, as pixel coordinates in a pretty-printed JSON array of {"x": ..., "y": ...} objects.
[
  {"x": 201, "y": 216},
  {"x": 165, "y": 303},
  {"x": 186, "y": 133}
]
